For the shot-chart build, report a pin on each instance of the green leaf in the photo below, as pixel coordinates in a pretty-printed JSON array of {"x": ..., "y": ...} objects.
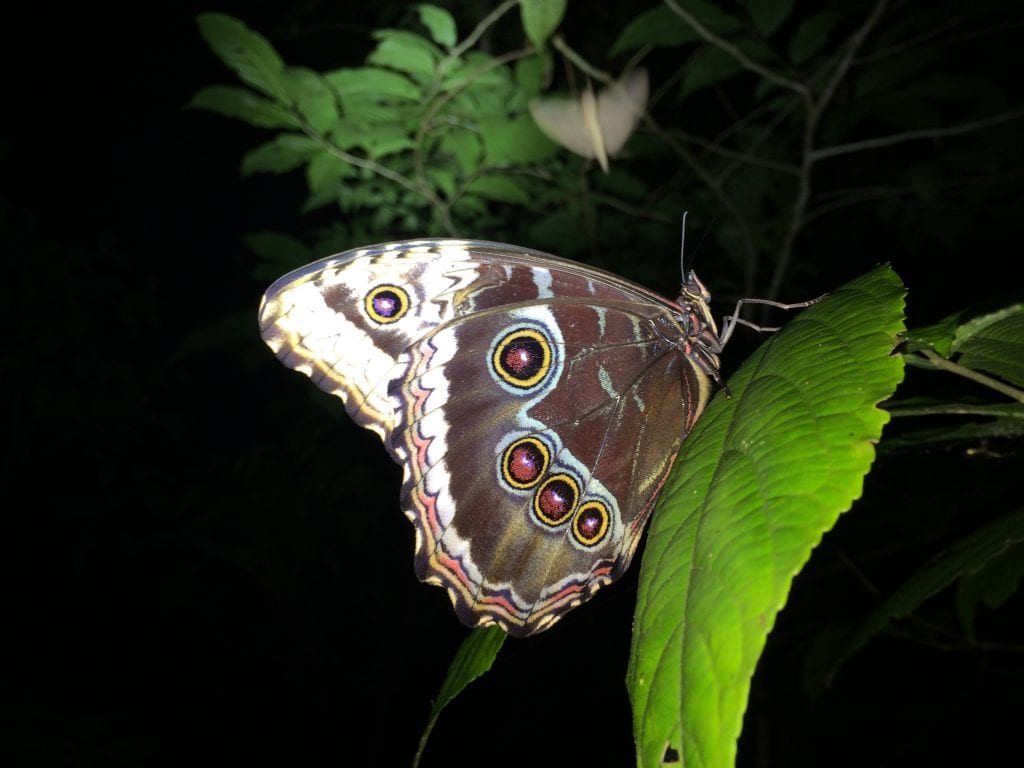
[
  {"x": 439, "y": 23},
  {"x": 938, "y": 336},
  {"x": 531, "y": 72},
  {"x": 812, "y": 35},
  {"x": 405, "y": 52},
  {"x": 475, "y": 657},
  {"x": 442, "y": 180},
  {"x": 994, "y": 343},
  {"x": 656, "y": 27},
  {"x": 243, "y": 104},
  {"x": 881, "y": 78},
  {"x": 280, "y": 155},
  {"x": 312, "y": 96},
  {"x": 465, "y": 148},
  {"x": 377, "y": 139},
  {"x": 768, "y": 15},
  {"x": 993, "y": 585},
  {"x": 710, "y": 66},
  {"x": 324, "y": 175},
  {"x": 758, "y": 482},
  {"x": 514, "y": 141},
  {"x": 381, "y": 83},
  {"x": 541, "y": 18},
  {"x": 504, "y": 189},
  {"x": 968, "y": 556},
  {"x": 479, "y": 75},
  {"x": 248, "y": 53}
]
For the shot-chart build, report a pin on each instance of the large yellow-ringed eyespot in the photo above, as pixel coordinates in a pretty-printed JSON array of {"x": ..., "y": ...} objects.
[
  {"x": 522, "y": 358},
  {"x": 555, "y": 500},
  {"x": 591, "y": 523},
  {"x": 524, "y": 462},
  {"x": 387, "y": 303}
]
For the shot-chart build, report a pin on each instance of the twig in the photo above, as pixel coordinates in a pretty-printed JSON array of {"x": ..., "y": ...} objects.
[
  {"x": 815, "y": 109},
  {"x": 588, "y": 69},
  {"x": 478, "y": 31},
  {"x": 735, "y": 52},
  {"x": 925, "y": 133},
  {"x": 969, "y": 373},
  {"x": 387, "y": 173}
]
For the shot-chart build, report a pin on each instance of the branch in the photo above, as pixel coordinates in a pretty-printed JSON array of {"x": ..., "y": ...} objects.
[
  {"x": 478, "y": 31},
  {"x": 925, "y": 133},
  {"x": 735, "y": 52},
  {"x": 847, "y": 58},
  {"x": 815, "y": 109},
  {"x": 387, "y": 173},
  {"x": 582, "y": 64},
  {"x": 740, "y": 157},
  {"x": 969, "y": 373}
]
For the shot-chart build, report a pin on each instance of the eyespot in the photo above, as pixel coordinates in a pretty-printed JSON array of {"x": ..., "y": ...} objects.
[
  {"x": 555, "y": 500},
  {"x": 524, "y": 462},
  {"x": 522, "y": 358},
  {"x": 591, "y": 523},
  {"x": 386, "y": 304}
]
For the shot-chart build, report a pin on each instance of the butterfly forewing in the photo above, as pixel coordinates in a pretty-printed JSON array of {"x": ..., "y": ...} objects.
[{"x": 535, "y": 405}]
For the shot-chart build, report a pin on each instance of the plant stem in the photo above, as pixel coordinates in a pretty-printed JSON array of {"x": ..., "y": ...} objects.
[{"x": 943, "y": 364}]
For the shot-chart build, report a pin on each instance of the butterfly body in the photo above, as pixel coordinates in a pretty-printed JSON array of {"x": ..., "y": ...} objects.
[{"x": 535, "y": 404}]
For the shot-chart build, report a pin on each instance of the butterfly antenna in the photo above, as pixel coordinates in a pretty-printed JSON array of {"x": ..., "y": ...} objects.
[{"x": 682, "y": 248}]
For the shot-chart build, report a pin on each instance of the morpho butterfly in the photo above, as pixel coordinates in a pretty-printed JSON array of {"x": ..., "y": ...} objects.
[{"x": 535, "y": 405}]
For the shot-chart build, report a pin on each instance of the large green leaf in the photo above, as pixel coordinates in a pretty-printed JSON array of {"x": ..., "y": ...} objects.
[
  {"x": 248, "y": 53},
  {"x": 757, "y": 484}
]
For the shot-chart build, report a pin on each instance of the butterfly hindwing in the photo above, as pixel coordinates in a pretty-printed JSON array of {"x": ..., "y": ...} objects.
[{"x": 535, "y": 405}]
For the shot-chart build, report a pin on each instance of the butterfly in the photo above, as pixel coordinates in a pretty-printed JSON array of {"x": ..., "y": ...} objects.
[
  {"x": 535, "y": 405},
  {"x": 594, "y": 126}
]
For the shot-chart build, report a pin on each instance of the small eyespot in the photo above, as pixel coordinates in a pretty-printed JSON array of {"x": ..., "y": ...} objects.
[
  {"x": 591, "y": 523},
  {"x": 386, "y": 304},
  {"x": 522, "y": 358},
  {"x": 555, "y": 500},
  {"x": 524, "y": 462}
]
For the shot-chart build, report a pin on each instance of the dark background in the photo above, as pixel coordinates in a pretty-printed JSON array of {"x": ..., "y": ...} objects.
[{"x": 208, "y": 561}]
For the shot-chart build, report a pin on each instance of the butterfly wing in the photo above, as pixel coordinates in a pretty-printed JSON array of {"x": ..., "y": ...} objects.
[
  {"x": 535, "y": 405},
  {"x": 620, "y": 107},
  {"x": 594, "y": 126},
  {"x": 567, "y": 122}
]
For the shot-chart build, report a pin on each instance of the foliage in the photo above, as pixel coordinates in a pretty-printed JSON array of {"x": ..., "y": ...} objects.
[
  {"x": 763, "y": 475},
  {"x": 760, "y": 117}
]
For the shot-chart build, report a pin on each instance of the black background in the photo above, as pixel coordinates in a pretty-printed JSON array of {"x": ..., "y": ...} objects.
[{"x": 208, "y": 563}]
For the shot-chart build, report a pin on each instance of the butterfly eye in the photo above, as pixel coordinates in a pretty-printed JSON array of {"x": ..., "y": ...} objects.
[
  {"x": 556, "y": 499},
  {"x": 386, "y": 304},
  {"x": 525, "y": 462},
  {"x": 522, "y": 358},
  {"x": 591, "y": 523}
]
